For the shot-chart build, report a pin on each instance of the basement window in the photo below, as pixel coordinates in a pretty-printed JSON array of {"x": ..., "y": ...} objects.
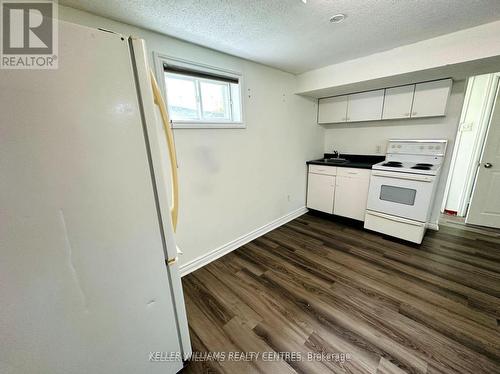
[{"x": 202, "y": 97}]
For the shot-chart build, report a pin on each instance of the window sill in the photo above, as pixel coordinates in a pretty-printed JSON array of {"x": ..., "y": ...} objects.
[{"x": 207, "y": 125}]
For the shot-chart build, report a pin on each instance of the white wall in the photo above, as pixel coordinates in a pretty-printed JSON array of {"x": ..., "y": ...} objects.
[
  {"x": 235, "y": 180},
  {"x": 474, "y": 49},
  {"x": 364, "y": 137}
]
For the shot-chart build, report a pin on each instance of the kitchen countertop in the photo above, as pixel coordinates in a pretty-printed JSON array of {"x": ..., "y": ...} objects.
[{"x": 353, "y": 161}]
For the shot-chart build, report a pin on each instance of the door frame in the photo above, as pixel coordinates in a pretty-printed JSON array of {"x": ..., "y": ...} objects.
[{"x": 473, "y": 166}]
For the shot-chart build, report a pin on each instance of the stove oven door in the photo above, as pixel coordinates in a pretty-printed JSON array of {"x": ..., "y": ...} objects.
[{"x": 401, "y": 194}]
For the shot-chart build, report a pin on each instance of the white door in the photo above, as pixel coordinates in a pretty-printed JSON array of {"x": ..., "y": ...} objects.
[
  {"x": 431, "y": 98},
  {"x": 365, "y": 106},
  {"x": 320, "y": 192},
  {"x": 485, "y": 204},
  {"x": 332, "y": 109},
  {"x": 398, "y": 101},
  {"x": 83, "y": 282},
  {"x": 351, "y": 193}
]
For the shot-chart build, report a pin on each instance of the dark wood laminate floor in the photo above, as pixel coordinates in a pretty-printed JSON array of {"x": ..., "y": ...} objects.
[{"x": 321, "y": 286}]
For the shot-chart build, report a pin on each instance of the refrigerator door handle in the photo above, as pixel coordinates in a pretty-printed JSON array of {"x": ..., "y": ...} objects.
[{"x": 174, "y": 211}]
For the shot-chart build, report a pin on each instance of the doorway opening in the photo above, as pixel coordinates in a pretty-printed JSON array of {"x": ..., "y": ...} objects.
[{"x": 476, "y": 121}]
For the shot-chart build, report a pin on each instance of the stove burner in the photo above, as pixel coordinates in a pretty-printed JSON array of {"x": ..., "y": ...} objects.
[
  {"x": 394, "y": 164},
  {"x": 424, "y": 164},
  {"x": 421, "y": 167}
]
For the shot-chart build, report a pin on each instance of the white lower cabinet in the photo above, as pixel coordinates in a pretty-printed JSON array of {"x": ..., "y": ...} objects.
[
  {"x": 338, "y": 190},
  {"x": 321, "y": 192},
  {"x": 351, "y": 193}
]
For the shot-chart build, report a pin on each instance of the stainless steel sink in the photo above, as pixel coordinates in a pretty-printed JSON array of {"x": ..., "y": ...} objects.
[{"x": 334, "y": 160}]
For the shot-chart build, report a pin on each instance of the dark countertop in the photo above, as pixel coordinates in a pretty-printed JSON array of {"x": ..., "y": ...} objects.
[{"x": 353, "y": 161}]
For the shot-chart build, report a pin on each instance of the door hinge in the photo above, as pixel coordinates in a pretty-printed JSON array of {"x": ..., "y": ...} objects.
[{"x": 171, "y": 261}]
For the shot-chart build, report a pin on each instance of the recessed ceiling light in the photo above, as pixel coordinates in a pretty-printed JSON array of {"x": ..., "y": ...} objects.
[{"x": 337, "y": 18}]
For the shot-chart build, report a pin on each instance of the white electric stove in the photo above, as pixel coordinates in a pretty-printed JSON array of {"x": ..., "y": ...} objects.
[{"x": 402, "y": 188}]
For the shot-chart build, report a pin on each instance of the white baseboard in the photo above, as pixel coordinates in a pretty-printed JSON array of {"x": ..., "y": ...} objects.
[{"x": 205, "y": 259}]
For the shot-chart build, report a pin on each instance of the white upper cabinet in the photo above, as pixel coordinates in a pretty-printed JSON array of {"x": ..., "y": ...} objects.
[
  {"x": 332, "y": 109},
  {"x": 428, "y": 99},
  {"x": 398, "y": 102},
  {"x": 431, "y": 98},
  {"x": 365, "y": 106}
]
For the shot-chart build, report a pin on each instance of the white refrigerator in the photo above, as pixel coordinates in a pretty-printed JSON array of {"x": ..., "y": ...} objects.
[{"x": 86, "y": 215}]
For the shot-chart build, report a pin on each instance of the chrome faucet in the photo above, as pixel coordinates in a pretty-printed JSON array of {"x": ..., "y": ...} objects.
[{"x": 336, "y": 154}]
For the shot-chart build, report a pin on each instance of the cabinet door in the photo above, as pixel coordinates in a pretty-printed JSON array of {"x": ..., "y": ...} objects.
[
  {"x": 431, "y": 98},
  {"x": 320, "y": 192},
  {"x": 332, "y": 109},
  {"x": 398, "y": 102},
  {"x": 365, "y": 106},
  {"x": 351, "y": 195}
]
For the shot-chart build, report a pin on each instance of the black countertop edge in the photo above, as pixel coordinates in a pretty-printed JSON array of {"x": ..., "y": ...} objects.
[{"x": 353, "y": 161}]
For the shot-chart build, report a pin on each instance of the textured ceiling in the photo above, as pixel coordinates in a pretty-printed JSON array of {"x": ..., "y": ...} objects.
[{"x": 294, "y": 36}]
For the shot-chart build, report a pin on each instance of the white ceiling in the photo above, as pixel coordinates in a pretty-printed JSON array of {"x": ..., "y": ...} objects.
[{"x": 294, "y": 36}]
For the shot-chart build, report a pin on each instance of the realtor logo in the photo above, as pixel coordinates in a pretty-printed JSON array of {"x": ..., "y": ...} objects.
[{"x": 29, "y": 34}]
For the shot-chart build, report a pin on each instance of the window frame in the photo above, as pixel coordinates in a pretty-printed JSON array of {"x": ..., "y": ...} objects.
[{"x": 160, "y": 60}]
